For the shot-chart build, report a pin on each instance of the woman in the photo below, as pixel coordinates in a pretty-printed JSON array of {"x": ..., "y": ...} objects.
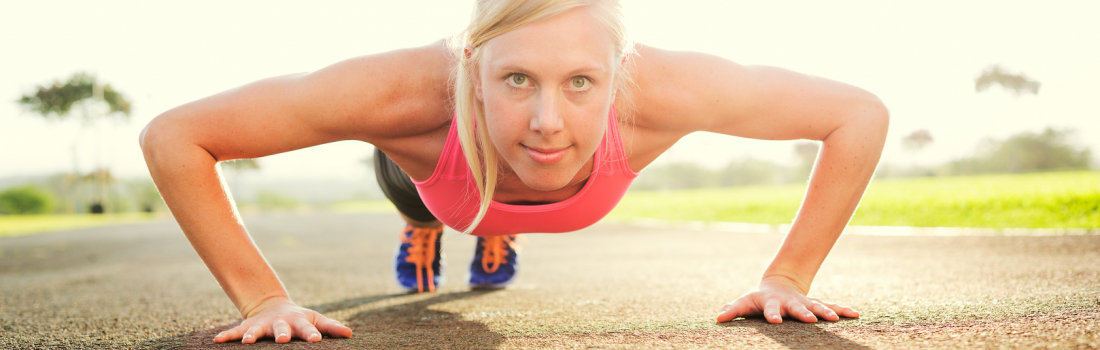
[{"x": 543, "y": 107}]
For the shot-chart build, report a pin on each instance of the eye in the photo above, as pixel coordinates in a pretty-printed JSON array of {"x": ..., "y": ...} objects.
[
  {"x": 578, "y": 83},
  {"x": 517, "y": 79}
]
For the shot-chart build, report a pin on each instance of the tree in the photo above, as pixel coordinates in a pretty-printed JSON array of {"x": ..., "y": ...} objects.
[
  {"x": 25, "y": 200},
  {"x": 85, "y": 93},
  {"x": 1025, "y": 152},
  {"x": 238, "y": 167},
  {"x": 1018, "y": 83},
  {"x": 806, "y": 151},
  {"x": 917, "y": 140}
]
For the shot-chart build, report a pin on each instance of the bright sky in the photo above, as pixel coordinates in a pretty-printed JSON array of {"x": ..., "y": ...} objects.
[{"x": 919, "y": 57}]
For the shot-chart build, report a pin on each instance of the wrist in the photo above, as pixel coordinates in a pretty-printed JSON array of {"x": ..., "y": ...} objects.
[
  {"x": 258, "y": 304},
  {"x": 786, "y": 280}
]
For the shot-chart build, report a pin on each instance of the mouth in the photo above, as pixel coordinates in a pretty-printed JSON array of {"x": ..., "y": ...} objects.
[{"x": 546, "y": 155}]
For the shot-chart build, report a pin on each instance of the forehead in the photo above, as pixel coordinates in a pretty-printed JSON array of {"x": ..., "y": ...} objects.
[{"x": 568, "y": 41}]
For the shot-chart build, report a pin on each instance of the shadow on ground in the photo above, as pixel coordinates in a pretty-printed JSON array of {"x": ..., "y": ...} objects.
[
  {"x": 408, "y": 325},
  {"x": 797, "y": 335}
]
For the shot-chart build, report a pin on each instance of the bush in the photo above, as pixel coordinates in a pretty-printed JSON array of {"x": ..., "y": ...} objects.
[
  {"x": 1026, "y": 152},
  {"x": 25, "y": 200}
]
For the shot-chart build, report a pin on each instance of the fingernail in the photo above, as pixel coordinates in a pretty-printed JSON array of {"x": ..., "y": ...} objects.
[
  {"x": 314, "y": 336},
  {"x": 808, "y": 314},
  {"x": 248, "y": 336},
  {"x": 282, "y": 335}
]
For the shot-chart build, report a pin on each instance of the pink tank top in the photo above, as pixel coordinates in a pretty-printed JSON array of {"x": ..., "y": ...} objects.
[{"x": 451, "y": 194}]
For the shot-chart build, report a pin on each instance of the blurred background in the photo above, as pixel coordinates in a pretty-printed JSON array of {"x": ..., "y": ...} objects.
[{"x": 976, "y": 87}]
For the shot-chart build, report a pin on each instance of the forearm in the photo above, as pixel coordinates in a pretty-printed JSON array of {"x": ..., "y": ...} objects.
[
  {"x": 844, "y": 168},
  {"x": 186, "y": 177}
]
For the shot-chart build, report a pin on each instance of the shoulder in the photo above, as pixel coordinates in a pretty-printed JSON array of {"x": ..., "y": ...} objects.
[
  {"x": 671, "y": 87},
  {"x": 669, "y": 90},
  {"x": 386, "y": 96}
]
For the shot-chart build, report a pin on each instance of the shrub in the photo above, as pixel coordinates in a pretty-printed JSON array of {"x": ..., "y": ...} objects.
[{"x": 25, "y": 200}]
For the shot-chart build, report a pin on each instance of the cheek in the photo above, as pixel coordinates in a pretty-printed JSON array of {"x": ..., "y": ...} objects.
[{"x": 503, "y": 128}]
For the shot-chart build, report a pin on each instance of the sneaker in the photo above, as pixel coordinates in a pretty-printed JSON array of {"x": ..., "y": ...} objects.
[
  {"x": 495, "y": 262},
  {"x": 419, "y": 265}
]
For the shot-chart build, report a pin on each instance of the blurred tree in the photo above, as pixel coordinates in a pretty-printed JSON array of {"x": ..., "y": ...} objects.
[
  {"x": 1025, "y": 152},
  {"x": 913, "y": 144},
  {"x": 237, "y": 167},
  {"x": 145, "y": 194},
  {"x": 1018, "y": 83},
  {"x": 806, "y": 152},
  {"x": 917, "y": 140},
  {"x": 675, "y": 176},
  {"x": 268, "y": 201},
  {"x": 82, "y": 90},
  {"x": 25, "y": 200},
  {"x": 751, "y": 171}
]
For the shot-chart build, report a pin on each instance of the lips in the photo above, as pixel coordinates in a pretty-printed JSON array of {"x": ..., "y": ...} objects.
[{"x": 546, "y": 155}]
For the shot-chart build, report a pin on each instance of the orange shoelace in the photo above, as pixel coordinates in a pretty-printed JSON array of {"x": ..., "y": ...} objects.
[
  {"x": 496, "y": 251},
  {"x": 422, "y": 253}
]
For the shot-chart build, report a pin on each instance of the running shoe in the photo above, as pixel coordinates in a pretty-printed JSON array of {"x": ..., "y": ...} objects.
[
  {"x": 419, "y": 261},
  {"x": 495, "y": 262}
]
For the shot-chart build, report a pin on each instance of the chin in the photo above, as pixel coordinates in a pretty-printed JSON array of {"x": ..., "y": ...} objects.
[
  {"x": 539, "y": 178},
  {"x": 547, "y": 184}
]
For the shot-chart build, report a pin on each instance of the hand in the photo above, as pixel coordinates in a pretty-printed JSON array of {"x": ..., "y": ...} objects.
[
  {"x": 778, "y": 297},
  {"x": 282, "y": 319}
]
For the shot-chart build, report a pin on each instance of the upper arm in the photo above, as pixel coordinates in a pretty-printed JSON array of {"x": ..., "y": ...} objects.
[
  {"x": 380, "y": 99},
  {"x": 687, "y": 92}
]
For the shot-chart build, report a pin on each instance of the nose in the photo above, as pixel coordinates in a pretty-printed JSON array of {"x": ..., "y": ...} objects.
[{"x": 548, "y": 118}]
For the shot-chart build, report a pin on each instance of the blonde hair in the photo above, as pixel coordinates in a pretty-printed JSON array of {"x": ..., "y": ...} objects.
[{"x": 490, "y": 19}]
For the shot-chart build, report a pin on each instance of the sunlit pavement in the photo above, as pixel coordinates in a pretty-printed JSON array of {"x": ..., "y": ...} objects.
[{"x": 609, "y": 286}]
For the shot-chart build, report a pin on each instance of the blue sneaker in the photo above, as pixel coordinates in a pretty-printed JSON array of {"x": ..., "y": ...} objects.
[
  {"x": 495, "y": 262},
  {"x": 419, "y": 265}
]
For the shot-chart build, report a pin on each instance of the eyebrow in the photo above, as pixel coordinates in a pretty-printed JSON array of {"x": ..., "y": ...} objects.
[{"x": 575, "y": 72}]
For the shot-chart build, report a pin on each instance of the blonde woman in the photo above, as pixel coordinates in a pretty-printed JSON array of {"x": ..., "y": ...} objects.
[{"x": 535, "y": 119}]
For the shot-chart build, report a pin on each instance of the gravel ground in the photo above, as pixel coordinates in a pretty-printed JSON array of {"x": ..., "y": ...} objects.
[{"x": 608, "y": 286}]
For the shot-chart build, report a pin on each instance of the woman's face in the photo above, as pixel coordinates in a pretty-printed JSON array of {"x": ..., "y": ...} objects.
[{"x": 547, "y": 88}]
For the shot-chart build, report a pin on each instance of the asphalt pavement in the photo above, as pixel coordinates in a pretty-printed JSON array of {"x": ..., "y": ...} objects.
[{"x": 608, "y": 286}]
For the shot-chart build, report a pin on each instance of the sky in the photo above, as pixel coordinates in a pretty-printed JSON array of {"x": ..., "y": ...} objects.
[{"x": 919, "y": 57}]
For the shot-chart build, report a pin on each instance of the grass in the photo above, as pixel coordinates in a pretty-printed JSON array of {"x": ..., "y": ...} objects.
[
  {"x": 363, "y": 206},
  {"x": 1040, "y": 200},
  {"x": 17, "y": 225}
]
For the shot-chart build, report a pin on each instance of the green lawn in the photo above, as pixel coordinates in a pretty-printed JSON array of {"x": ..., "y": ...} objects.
[
  {"x": 1044, "y": 200},
  {"x": 15, "y": 225},
  {"x": 1041, "y": 200}
]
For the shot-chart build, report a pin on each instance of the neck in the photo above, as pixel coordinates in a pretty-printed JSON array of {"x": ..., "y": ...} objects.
[{"x": 512, "y": 190}]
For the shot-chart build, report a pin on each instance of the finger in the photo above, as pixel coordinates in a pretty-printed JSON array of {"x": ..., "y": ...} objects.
[
  {"x": 306, "y": 331},
  {"x": 823, "y": 311},
  {"x": 281, "y": 331},
  {"x": 738, "y": 308},
  {"x": 797, "y": 310},
  {"x": 254, "y": 333},
  {"x": 840, "y": 310},
  {"x": 232, "y": 334},
  {"x": 771, "y": 311},
  {"x": 332, "y": 327}
]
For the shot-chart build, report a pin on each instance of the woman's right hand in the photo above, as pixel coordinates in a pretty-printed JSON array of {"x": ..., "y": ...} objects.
[{"x": 282, "y": 319}]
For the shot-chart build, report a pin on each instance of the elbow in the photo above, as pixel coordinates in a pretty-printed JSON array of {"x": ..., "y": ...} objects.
[
  {"x": 873, "y": 115},
  {"x": 150, "y": 135},
  {"x": 156, "y": 137}
]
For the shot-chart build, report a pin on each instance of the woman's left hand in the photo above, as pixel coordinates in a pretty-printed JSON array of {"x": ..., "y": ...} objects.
[{"x": 777, "y": 297}]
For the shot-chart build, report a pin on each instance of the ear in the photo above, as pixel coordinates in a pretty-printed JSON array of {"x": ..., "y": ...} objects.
[
  {"x": 477, "y": 86},
  {"x": 476, "y": 76}
]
